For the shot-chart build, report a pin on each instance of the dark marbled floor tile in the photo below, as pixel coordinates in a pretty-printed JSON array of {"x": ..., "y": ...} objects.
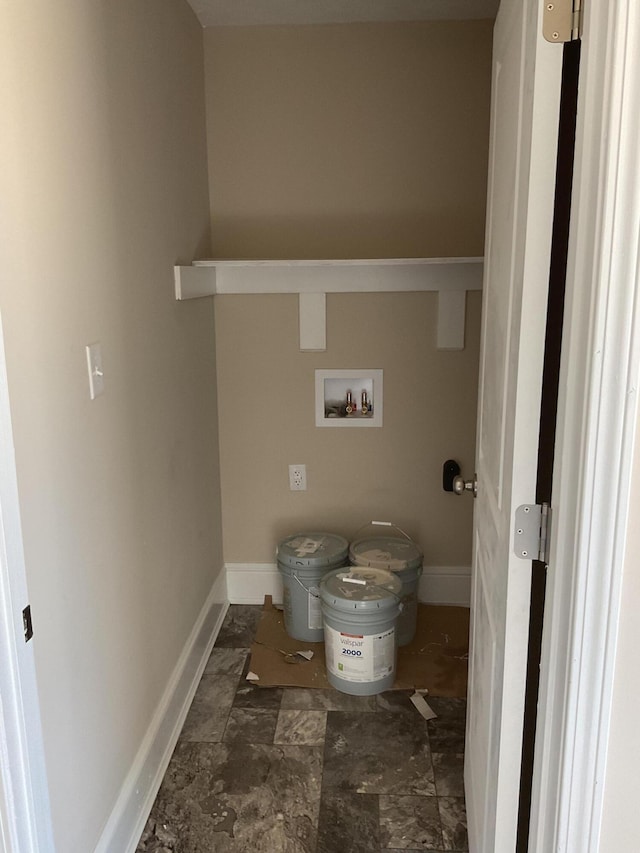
[
  {"x": 447, "y": 731},
  {"x": 448, "y": 707},
  {"x": 454, "y": 823},
  {"x": 383, "y": 753},
  {"x": 227, "y": 663},
  {"x": 305, "y": 699},
  {"x": 306, "y": 728},
  {"x": 410, "y": 822},
  {"x": 237, "y": 798},
  {"x": 209, "y": 711},
  {"x": 239, "y": 626},
  {"x": 155, "y": 838},
  {"x": 348, "y": 822},
  {"x": 448, "y": 769},
  {"x": 250, "y": 725},
  {"x": 398, "y": 701},
  {"x": 446, "y": 735},
  {"x": 249, "y": 695}
]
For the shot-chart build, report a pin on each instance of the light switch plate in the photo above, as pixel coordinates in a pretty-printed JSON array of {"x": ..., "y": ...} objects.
[{"x": 94, "y": 366}]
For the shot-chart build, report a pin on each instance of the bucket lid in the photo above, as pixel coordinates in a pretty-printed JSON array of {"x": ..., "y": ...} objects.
[
  {"x": 386, "y": 552},
  {"x": 313, "y": 549},
  {"x": 361, "y": 587}
]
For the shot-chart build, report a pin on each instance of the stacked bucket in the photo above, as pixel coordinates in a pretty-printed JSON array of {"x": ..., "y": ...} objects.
[{"x": 362, "y": 611}]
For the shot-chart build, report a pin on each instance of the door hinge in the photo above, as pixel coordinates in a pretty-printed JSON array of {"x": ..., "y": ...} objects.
[
  {"x": 562, "y": 20},
  {"x": 27, "y": 623},
  {"x": 532, "y": 532}
]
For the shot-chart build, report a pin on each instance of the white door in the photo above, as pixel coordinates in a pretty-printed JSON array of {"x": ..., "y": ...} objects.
[{"x": 524, "y": 125}]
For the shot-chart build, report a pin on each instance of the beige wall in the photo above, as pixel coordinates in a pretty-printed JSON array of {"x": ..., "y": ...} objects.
[
  {"x": 103, "y": 189},
  {"x": 360, "y": 140},
  {"x": 346, "y": 141},
  {"x": 267, "y": 421}
]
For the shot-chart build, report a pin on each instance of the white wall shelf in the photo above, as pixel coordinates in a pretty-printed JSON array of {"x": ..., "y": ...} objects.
[{"x": 451, "y": 277}]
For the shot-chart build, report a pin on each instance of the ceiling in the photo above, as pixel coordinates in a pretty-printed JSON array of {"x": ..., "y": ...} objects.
[{"x": 225, "y": 13}]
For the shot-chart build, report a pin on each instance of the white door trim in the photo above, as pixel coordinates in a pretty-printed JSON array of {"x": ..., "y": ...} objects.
[
  {"x": 594, "y": 444},
  {"x": 25, "y": 810}
]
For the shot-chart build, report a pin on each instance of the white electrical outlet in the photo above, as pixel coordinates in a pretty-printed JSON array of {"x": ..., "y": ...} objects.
[{"x": 298, "y": 478}]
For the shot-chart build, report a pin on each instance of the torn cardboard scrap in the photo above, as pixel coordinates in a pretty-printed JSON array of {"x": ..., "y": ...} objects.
[
  {"x": 422, "y": 706},
  {"x": 436, "y": 659}
]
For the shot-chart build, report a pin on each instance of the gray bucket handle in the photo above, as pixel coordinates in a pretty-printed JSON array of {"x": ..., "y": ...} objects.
[
  {"x": 305, "y": 588},
  {"x": 383, "y": 524}
]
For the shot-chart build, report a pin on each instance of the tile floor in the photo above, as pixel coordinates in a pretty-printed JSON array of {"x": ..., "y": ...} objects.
[{"x": 287, "y": 770}]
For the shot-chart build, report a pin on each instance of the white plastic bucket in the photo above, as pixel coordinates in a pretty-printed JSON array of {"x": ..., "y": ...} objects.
[
  {"x": 404, "y": 558},
  {"x": 360, "y": 608},
  {"x": 303, "y": 560}
]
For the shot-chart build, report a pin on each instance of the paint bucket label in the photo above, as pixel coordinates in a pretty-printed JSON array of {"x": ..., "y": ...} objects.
[
  {"x": 315, "y": 609},
  {"x": 359, "y": 658}
]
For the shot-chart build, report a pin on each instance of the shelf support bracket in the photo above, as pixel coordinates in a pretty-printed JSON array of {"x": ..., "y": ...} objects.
[
  {"x": 451, "y": 318},
  {"x": 312, "y": 309}
]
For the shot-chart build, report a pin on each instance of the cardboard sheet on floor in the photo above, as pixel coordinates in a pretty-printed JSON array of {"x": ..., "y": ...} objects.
[{"x": 435, "y": 660}]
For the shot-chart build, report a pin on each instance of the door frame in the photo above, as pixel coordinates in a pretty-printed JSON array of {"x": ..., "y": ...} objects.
[
  {"x": 25, "y": 816},
  {"x": 597, "y": 413}
]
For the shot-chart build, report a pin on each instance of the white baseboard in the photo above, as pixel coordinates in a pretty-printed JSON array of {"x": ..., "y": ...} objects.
[
  {"x": 445, "y": 585},
  {"x": 248, "y": 583},
  {"x": 126, "y": 822}
]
